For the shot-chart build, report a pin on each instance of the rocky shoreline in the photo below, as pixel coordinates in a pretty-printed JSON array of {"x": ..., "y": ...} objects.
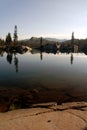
[
  {"x": 47, "y": 116},
  {"x": 20, "y": 98}
]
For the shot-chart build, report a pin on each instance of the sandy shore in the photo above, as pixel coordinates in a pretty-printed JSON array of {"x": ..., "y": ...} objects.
[{"x": 47, "y": 116}]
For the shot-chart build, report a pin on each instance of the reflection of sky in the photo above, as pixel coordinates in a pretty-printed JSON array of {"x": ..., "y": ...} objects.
[
  {"x": 52, "y": 18},
  {"x": 52, "y": 71}
]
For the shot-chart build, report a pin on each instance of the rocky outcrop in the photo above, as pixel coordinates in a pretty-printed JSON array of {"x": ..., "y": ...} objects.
[{"x": 68, "y": 116}]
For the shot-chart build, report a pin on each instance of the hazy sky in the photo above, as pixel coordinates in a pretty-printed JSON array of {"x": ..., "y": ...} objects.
[{"x": 48, "y": 18}]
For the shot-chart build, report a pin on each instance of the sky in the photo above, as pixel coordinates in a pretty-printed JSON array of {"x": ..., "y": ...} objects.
[{"x": 47, "y": 18}]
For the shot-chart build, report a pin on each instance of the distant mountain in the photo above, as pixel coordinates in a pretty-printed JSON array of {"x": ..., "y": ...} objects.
[
  {"x": 46, "y": 39},
  {"x": 56, "y": 40},
  {"x": 34, "y": 42}
]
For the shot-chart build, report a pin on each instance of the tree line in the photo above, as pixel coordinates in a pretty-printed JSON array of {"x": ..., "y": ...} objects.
[{"x": 8, "y": 40}]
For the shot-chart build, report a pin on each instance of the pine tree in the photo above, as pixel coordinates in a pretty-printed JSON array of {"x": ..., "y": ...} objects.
[
  {"x": 72, "y": 38},
  {"x": 8, "y": 39},
  {"x": 15, "y": 34}
]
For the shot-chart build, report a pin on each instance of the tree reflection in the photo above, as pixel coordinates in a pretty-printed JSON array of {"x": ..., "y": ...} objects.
[
  {"x": 9, "y": 58},
  {"x": 41, "y": 56},
  {"x": 1, "y": 53},
  {"x": 71, "y": 58},
  {"x": 16, "y": 63}
]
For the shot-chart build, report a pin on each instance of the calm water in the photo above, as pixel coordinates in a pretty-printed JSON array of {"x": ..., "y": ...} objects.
[{"x": 55, "y": 76}]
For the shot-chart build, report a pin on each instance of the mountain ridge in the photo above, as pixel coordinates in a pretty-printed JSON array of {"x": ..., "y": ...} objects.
[{"x": 45, "y": 38}]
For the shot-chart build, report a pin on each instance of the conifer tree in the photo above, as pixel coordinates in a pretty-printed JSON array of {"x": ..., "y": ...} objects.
[
  {"x": 15, "y": 34},
  {"x": 8, "y": 39},
  {"x": 72, "y": 38}
]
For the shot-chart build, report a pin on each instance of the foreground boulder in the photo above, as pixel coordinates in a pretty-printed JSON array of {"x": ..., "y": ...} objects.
[{"x": 70, "y": 116}]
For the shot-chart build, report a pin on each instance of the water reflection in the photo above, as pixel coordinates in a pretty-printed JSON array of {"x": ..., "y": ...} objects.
[
  {"x": 16, "y": 63},
  {"x": 54, "y": 79},
  {"x": 10, "y": 56},
  {"x": 14, "y": 57},
  {"x": 41, "y": 56},
  {"x": 71, "y": 58},
  {"x": 1, "y": 53}
]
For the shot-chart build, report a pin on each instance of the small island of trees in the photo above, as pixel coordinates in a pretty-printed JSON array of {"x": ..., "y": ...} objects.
[
  {"x": 12, "y": 45},
  {"x": 8, "y": 42}
]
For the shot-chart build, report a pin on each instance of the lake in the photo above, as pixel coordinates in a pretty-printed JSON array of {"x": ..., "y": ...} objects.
[{"x": 38, "y": 77}]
